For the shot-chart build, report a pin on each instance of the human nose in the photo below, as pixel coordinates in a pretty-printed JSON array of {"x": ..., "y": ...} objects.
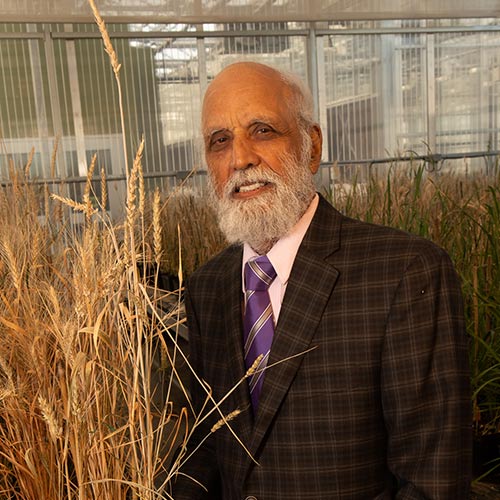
[{"x": 243, "y": 156}]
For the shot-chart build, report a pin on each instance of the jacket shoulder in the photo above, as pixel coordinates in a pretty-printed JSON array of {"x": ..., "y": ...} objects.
[
  {"x": 215, "y": 266},
  {"x": 385, "y": 239},
  {"x": 365, "y": 238}
]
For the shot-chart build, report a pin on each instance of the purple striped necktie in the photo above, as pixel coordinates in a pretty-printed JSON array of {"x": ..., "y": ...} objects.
[{"x": 258, "y": 322}]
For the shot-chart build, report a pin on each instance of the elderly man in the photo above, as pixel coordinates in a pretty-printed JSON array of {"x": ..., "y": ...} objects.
[{"x": 348, "y": 337}]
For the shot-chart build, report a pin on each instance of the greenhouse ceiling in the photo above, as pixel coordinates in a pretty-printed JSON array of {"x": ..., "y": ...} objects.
[{"x": 207, "y": 11}]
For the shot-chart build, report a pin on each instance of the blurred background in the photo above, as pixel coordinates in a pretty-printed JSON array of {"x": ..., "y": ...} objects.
[{"x": 391, "y": 79}]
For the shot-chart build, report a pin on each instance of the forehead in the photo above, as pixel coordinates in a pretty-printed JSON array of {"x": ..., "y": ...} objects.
[{"x": 238, "y": 96}]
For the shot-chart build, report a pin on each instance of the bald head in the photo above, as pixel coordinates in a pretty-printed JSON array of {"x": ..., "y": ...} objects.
[{"x": 289, "y": 88}]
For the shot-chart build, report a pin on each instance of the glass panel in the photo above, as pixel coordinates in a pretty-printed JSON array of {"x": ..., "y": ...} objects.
[
  {"x": 257, "y": 10},
  {"x": 467, "y": 83},
  {"x": 381, "y": 94},
  {"x": 353, "y": 97},
  {"x": 411, "y": 94}
]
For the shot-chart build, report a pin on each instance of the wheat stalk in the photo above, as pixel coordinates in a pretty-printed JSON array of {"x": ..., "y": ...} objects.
[
  {"x": 116, "y": 65},
  {"x": 11, "y": 259},
  {"x": 224, "y": 420},
  {"x": 9, "y": 387},
  {"x": 140, "y": 174},
  {"x": 79, "y": 207},
  {"x": 46, "y": 201},
  {"x": 27, "y": 168},
  {"x": 132, "y": 187},
  {"x": 49, "y": 416},
  {"x": 157, "y": 226},
  {"x": 104, "y": 190},
  {"x": 88, "y": 188},
  {"x": 108, "y": 46},
  {"x": 53, "y": 158}
]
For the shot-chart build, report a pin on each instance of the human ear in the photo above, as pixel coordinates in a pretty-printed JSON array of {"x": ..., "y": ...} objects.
[{"x": 316, "y": 148}]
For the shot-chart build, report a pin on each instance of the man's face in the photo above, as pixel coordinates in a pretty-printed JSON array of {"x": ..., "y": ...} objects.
[
  {"x": 248, "y": 122},
  {"x": 260, "y": 162}
]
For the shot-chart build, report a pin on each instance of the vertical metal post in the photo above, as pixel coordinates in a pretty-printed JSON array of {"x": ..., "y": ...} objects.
[
  {"x": 203, "y": 82},
  {"x": 55, "y": 105},
  {"x": 322, "y": 98},
  {"x": 202, "y": 66},
  {"x": 312, "y": 66},
  {"x": 484, "y": 140},
  {"x": 39, "y": 98},
  {"x": 316, "y": 77},
  {"x": 431, "y": 92},
  {"x": 76, "y": 104},
  {"x": 390, "y": 96}
]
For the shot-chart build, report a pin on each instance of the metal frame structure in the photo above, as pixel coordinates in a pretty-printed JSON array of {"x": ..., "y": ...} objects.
[
  {"x": 222, "y": 11},
  {"x": 374, "y": 61}
]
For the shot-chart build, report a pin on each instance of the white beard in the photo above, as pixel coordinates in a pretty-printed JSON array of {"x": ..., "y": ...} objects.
[{"x": 263, "y": 220}]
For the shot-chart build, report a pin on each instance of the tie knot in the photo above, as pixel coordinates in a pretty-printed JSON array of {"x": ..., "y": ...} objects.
[{"x": 259, "y": 274}]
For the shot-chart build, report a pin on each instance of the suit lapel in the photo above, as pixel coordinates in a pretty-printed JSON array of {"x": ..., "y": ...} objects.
[{"x": 309, "y": 287}]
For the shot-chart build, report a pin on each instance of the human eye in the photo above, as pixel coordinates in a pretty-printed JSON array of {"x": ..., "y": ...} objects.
[
  {"x": 263, "y": 130},
  {"x": 217, "y": 141}
]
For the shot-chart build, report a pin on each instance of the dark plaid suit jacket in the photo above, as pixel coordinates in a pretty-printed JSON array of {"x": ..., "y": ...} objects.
[{"x": 372, "y": 399}]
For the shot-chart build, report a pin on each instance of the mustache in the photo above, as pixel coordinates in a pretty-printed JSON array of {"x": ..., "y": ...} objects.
[
  {"x": 249, "y": 176},
  {"x": 261, "y": 174}
]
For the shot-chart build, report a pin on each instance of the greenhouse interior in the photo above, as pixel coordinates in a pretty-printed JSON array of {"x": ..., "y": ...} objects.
[
  {"x": 104, "y": 213},
  {"x": 390, "y": 79}
]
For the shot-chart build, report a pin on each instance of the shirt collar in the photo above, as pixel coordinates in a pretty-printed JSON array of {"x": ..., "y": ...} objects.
[{"x": 283, "y": 253}]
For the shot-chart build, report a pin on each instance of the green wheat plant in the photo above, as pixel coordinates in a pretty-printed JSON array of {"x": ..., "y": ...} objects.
[{"x": 461, "y": 213}]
